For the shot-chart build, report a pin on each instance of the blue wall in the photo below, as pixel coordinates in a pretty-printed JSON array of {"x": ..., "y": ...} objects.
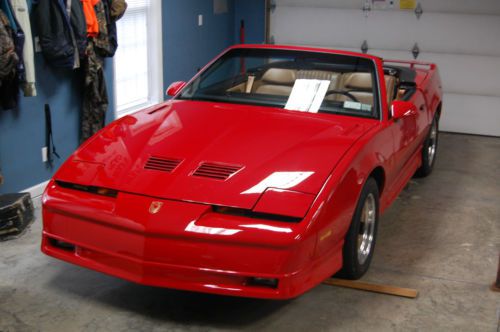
[
  {"x": 253, "y": 12},
  {"x": 22, "y": 131},
  {"x": 186, "y": 47}
]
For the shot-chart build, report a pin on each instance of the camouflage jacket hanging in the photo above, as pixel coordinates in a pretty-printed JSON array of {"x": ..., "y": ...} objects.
[
  {"x": 8, "y": 56},
  {"x": 9, "y": 66},
  {"x": 95, "y": 98},
  {"x": 108, "y": 12}
]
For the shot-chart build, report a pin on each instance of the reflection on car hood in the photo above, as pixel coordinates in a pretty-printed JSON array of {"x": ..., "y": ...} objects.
[{"x": 262, "y": 147}]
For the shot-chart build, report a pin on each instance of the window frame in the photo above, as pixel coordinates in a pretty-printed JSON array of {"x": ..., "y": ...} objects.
[{"x": 155, "y": 63}]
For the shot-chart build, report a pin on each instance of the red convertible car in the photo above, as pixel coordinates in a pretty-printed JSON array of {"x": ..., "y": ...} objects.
[{"x": 263, "y": 176}]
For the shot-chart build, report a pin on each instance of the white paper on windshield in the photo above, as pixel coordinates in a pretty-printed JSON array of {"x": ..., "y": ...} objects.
[{"x": 307, "y": 95}]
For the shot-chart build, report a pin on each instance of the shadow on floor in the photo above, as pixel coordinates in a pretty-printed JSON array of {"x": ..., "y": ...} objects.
[{"x": 162, "y": 304}]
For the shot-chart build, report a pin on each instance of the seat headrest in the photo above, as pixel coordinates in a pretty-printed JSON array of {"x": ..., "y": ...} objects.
[
  {"x": 389, "y": 80},
  {"x": 359, "y": 81},
  {"x": 280, "y": 76}
]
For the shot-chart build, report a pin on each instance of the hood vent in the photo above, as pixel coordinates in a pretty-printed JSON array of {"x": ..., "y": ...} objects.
[
  {"x": 162, "y": 164},
  {"x": 216, "y": 171}
]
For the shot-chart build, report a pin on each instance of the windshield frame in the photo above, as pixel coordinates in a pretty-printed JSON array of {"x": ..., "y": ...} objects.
[{"x": 377, "y": 111}]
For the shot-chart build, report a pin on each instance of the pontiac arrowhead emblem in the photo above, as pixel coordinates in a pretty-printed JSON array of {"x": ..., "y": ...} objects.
[{"x": 155, "y": 207}]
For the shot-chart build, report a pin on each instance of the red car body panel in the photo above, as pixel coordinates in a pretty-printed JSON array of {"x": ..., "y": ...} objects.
[
  {"x": 161, "y": 229},
  {"x": 179, "y": 131}
]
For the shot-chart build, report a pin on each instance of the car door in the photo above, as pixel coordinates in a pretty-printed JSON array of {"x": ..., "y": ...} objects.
[
  {"x": 404, "y": 133},
  {"x": 422, "y": 117}
]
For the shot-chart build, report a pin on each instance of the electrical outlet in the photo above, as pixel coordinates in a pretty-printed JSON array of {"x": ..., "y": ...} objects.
[
  {"x": 45, "y": 154},
  {"x": 200, "y": 20}
]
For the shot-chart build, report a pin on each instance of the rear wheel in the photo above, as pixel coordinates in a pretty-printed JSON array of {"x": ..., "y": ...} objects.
[
  {"x": 360, "y": 239},
  {"x": 429, "y": 150}
]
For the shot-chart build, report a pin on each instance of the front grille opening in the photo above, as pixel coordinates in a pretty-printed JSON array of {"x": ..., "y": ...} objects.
[
  {"x": 263, "y": 282},
  {"x": 255, "y": 215},
  {"x": 216, "y": 171},
  {"x": 89, "y": 189},
  {"x": 62, "y": 245}
]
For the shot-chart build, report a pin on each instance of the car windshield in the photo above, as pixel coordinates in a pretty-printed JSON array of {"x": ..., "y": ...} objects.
[{"x": 294, "y": 80}]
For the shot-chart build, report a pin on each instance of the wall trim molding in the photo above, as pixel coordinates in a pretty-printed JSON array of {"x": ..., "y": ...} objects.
[{"x": 36, "y": 193}]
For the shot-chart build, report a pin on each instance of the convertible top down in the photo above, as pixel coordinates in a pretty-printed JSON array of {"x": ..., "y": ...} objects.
[{"x": 263, "y": 176}]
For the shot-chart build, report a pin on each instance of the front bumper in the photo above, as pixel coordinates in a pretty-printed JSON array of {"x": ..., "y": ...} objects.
[{"x": 176, "y": 248}]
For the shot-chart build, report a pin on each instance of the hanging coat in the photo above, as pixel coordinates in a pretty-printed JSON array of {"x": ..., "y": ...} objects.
[
  {"x": 21, "y": 13},
  {"x": 95, "y": 95},
  {"x": 9, "y": 60},
  {"x": 8, "y": 56},
  {"x": 90, "y": 17},
  {"x": 108, "y": 12},
  {"x": 117, "y": 9},
  {"x": 95, "y": 98},
  {"x": 63, "y": 37},
  {"x": 10, "y": 91}
]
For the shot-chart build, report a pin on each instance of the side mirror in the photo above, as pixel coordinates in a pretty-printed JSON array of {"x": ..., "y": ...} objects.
[
  {"x": 401, "y": 109},
  {"x": 175, "y": 88}
]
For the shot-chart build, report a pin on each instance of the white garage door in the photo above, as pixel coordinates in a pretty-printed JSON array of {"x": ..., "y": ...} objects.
[{"x": 461, "y": 36}]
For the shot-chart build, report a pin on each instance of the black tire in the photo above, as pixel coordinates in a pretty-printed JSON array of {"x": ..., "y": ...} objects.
[
  {"x": 356, "y": 263},
  {"x": 429, "y": 157}
]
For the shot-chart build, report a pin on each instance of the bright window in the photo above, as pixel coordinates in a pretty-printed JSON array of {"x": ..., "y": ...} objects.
[{"x": 138, "y": 60}]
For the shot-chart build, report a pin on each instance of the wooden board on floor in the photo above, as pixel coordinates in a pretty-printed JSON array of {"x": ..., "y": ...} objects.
[{"x": 383, "y": 289}]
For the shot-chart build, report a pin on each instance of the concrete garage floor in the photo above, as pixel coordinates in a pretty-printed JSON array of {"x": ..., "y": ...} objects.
[{"x": 442, "y": 237}]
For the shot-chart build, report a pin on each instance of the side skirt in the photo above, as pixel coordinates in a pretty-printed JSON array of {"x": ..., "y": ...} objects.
[{"x": 407, "y": 173}]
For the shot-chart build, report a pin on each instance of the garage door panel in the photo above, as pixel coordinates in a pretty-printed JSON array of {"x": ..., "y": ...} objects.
[
  {"x": 457, "y": 6},
  {"x": 473, "y": 75},
  {"x": 471, "y": 114},
  {"x": 461, "y": 37},
  {"x": 286, "y": 30},
  {"x": 476, "y": 75},
  {"x": 434, "y": 32}
]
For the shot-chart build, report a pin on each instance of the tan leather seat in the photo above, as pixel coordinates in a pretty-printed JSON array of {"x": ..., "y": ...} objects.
[
  {"x": 323, "y": 75},
  {"x": 277, "y": 81},
  {"x": 390, "y": 85},
  {"x": 359, "y": 85}
]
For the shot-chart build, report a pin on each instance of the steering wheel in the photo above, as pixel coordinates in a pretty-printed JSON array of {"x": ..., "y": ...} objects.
[{"x": 344, "y": 93}]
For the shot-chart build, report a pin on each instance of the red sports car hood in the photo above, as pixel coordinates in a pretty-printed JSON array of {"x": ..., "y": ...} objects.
[{"x": 254, "y": 147}]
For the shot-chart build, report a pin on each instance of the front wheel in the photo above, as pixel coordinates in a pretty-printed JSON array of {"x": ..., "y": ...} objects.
[
  {"x": 429, "y": 150},
  {"x": 360, "y": 239}
]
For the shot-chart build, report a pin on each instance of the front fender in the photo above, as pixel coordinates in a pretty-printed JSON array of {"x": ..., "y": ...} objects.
[{"x": 337, "y": 200}]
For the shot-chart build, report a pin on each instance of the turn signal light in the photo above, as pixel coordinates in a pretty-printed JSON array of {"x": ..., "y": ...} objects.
[
  {"x": 251, "y": 214},
  {"x": 89, "y": 189}
]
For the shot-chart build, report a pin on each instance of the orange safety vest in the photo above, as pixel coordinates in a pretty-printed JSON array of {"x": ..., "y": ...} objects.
[{"x": 90, "y": 17}]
